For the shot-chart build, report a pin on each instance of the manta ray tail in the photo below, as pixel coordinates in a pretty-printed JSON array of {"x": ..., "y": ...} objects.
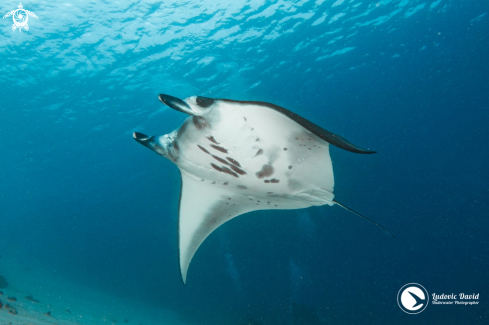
[{"x": 358, "y": 214}]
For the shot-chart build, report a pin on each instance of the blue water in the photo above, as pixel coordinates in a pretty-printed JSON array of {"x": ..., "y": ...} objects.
[{"x": 407, "y": 78}]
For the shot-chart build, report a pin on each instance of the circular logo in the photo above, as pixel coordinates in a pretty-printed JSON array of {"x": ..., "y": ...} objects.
[
  {"x": 413, "y": 298},
  {"x": 20, "y": 17}
]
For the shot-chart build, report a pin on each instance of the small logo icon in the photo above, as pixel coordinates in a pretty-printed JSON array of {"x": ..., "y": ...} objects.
[
  {"x": 413, "y": 298},
  {"x": 20, "y": 18}
]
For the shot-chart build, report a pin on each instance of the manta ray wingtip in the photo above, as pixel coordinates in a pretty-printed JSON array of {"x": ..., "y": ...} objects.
[{"x": 183, "y": 276}]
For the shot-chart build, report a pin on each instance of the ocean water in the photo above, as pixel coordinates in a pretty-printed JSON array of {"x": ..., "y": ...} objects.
[{"x": 88, "y": 217}]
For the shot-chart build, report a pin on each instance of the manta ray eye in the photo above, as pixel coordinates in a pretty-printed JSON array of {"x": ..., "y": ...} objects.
[{"x": 204, "y": 101}]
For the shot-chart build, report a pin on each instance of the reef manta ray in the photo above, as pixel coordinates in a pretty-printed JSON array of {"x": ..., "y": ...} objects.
[{"x": 240, "y": 156}]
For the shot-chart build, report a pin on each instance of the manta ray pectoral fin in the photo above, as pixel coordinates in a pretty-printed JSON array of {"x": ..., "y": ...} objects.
[
  {"x": 358, "y": 214},
  {"x": 324, "y": 134},
  {"x": 204, "y": 206}
]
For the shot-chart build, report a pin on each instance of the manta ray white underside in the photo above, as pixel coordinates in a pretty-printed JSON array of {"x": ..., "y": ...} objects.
[{"x": 237, "y": 157}]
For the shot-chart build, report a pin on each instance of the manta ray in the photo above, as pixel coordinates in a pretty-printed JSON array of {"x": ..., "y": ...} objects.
[{"x": 236, "y": 157}]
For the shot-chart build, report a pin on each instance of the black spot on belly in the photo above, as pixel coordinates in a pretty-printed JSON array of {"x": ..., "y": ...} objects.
[
  {"x": 266, "y": 170},
  {"x": 204, "y": 101},
  {"x": 259, "y": 152},
  {"x": 216, "y": 167},
  {"x": 285, "y": 149},
  {"x": 228, "y": 171},
  {"x": 221, "y": 149},
  {"x": 200, "y": 122},
  {"x": 233, "y": 161},
  {"x": 226, "y": 183},
  {"x": 267, "y": 181},
  {"x": 237, "y": 170},
  {"x": 290, "y": 167},
  {"x": 242, "y": 187},
  {"x": 203, "y": 149},
  {"x": 294, "y": 184},
  {"x": 274, "y": 180},
  {"x": 211, "y": 138},
  {"x": 221, "y": 160}
]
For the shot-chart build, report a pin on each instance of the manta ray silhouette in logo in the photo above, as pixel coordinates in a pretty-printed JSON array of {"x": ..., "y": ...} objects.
[{"x": 241, "y": 156}]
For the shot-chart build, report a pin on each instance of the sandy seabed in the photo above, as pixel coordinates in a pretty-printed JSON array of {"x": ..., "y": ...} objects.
[{"x": 64, "y": 302}]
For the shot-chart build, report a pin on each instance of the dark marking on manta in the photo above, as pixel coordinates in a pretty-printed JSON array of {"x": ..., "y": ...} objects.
[
  {"x": 285, "y": 149},
  {"x": 224, "y": 169},
  {"x": 204, "y": 101},
  {"x": 183, "y": 128},
  {"x": 266, "y": 170},
  {"x": 257, "y": 139},
  {"x": 173, "y": 154},
  {"x": 200, "y": 122},
  {"x": 228, "y": 171},
  {"x": 226, "y": 183},
  {"x": 233, "y": 161},
  {"x": 259, "y": 152},
  {"x": 211, "y": 138},
  {"x": 221, "y": 160},
  {"x": 203, "y": 149},
  {"x": 216, "y": 167},
  {"x": 242, "y": 187},
  {"x": 237, "y": 170},
  {"x": 274, "y": 180},
  {"x": 221, "y": 149},
  {"x": 175, "y": 145},
  {"x": 267, "y": 181},
  {"x": 290, "y": 167}
]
